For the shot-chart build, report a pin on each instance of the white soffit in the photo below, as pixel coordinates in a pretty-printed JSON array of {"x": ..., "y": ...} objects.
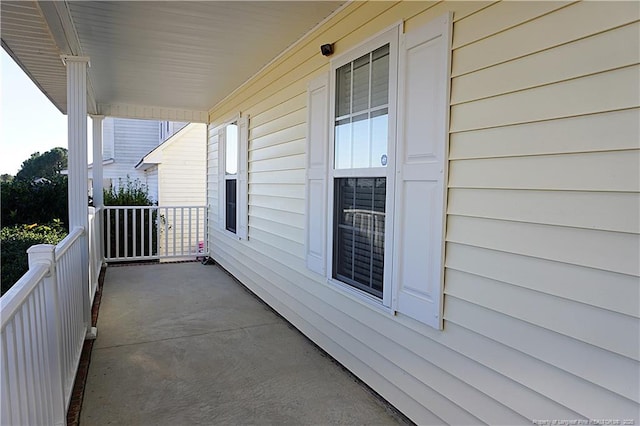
[
  {"x": 26, "y": 37},
  {"x": 185, "y": 55},
  {"x": 171, "y": 60}
]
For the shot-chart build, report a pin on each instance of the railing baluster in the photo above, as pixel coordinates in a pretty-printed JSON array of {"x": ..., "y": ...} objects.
[
  {"x": 182, "y": 231},
  {"x": 166, "y": 231},
  {"x": 107, "y": 212},
  {"x": 7, "y": 414},
  {"x": 45, "y": 389},
  {"x": 190, "y": 246},
  {"x": 126, "y": 232},
  {"x": 32, "y": 349},
  {"x": 135, "y": 232},
  {"x": 20, "y": 376},
  {"x": 197, "y": 231},
  {"x": 28, "y": 360},
  {"x": 66, "y": 314},
  {"x": 173, "y": 253},
  {"x": 151, "y": 231},
  {"x": 142, "y": 232},
  {"x": 117, "y": 210},
  {"x": 13, "y": 372}
]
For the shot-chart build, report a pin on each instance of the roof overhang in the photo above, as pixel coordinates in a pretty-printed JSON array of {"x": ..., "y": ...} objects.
[{"x": 165, "y": 60}]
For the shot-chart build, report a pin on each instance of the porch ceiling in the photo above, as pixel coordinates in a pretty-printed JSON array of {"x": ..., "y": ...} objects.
[{"x": 163, "y": 60}]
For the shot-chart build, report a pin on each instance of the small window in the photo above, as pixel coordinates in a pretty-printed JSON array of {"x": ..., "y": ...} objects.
[{"x": 231, "y": 176}]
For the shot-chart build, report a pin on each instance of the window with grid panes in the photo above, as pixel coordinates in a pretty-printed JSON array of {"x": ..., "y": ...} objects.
[{"x": 361, "y": 144}]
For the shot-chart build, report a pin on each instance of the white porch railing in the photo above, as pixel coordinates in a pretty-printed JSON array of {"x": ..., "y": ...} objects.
[
  {"x": 46, "y": 315},
  {"x": 154, "y": 232},
  {"x": 43, "y": 327},
  {"x": 95, "y": 248}
]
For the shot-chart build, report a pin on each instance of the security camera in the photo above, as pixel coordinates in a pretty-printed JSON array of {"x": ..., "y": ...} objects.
[{"x": 326, "y": 49}]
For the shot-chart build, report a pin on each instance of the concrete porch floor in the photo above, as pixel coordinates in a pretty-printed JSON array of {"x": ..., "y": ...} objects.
[{"x": 183, "y": 344}]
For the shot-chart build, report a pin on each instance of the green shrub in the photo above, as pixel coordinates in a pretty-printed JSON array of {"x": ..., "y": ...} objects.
[
  {"x": 130, "y": 193},
  {"x": 14, "y": 242},
  {"x": 30, "y": 202}
]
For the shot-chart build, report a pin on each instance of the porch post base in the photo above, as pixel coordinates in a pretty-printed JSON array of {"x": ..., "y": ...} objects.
[{"x": 92, "y": 333}]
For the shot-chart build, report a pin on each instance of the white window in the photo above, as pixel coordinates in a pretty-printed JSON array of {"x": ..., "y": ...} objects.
[
  {"x": 232, "y": 155},
  {"x": 360, "y": 174},
  {"x": 231, "y": 177},
  {"x": 385, "y": 170}
]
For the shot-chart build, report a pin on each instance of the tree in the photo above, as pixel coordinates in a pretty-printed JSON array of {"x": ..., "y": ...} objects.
[
  {"x": 6, "y": 177},
  {"x": 47, "y": 165},
  {"x": 27, "y": 202}
]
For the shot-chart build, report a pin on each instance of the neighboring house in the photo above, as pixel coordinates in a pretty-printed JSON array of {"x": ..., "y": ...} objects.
[
  {"x": 448, "y": 205},
  {"x": 125, "y": 141},
  {"x": 178, "y": 165}
]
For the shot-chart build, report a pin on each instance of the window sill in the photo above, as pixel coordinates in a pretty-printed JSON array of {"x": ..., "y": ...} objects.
[
  {"x": 229, "y": 234},
  {"x": 359, "y": 296}
]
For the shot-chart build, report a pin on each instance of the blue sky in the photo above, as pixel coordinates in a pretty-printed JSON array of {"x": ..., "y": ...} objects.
[{"x": 28, "y": 120}]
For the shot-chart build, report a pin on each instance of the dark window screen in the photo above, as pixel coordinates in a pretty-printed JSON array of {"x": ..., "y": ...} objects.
[
  {"x": 230, "y": 208},
  {"x": 359, "y": 232}
]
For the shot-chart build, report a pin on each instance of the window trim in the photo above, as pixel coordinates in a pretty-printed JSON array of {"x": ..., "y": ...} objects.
[
  {"x": 222, "y": 163},
  {"x": 389, "y": 36},
  {"x": 231, "y": 176}
]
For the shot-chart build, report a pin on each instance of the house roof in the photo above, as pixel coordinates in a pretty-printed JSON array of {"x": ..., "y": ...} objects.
[
  {"x": 155, "y": 155},
  {"x": 158, "y": 60}
]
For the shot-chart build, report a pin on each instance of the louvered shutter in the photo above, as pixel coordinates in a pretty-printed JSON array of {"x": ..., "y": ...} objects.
[
  {"x": 423, "y": 100},
  {"x": 316, "y": 188}
]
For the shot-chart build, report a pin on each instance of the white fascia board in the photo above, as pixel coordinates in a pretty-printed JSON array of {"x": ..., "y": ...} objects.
[
  {"x": 147, "y": 112},
  {"x": 105, "y": 162},
  {"x": 155, "y": 155}
]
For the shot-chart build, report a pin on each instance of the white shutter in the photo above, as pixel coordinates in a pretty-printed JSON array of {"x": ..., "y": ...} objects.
[
  {"x": 221, "y": 168},
  {"x": 317, "y": 152},
  {"x": 242, "y": 197},
  {"x": 423, "y": 122}
]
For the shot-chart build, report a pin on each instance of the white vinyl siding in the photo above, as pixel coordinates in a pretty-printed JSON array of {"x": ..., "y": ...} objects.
[
  {"x": 182, "y": 170},
  {"x": 541, "y": 259},
  {"x": 182, "y": 182},
  {"x": 107, "y": 137},
  {"x": 128, "y": 140}
]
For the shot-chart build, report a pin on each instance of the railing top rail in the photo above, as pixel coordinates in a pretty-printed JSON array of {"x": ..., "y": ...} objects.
[
  {"x": 13, "y": 299},
  {"x": 64, "y": 245},
  {"x": 152, "y": 207}
]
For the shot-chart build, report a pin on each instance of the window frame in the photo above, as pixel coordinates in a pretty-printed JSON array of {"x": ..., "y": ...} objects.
[
  {"x": 222, "y": 164},
  {"x": 389, "y": 36}
]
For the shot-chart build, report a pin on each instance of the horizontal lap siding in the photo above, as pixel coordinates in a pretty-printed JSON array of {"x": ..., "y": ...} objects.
[
  {"x": 543, "y": 212},
  {"x": 132, "y": 140},
  {"x": 183, "y": 183},
  {"x": 182, "y": 176},
  {"x": 501, "y": 358}
]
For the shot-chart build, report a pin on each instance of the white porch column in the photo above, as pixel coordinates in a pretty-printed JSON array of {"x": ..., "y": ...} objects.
[
  {"x": 98, "y": 196},
  {"x": 77, "y": 163}
]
